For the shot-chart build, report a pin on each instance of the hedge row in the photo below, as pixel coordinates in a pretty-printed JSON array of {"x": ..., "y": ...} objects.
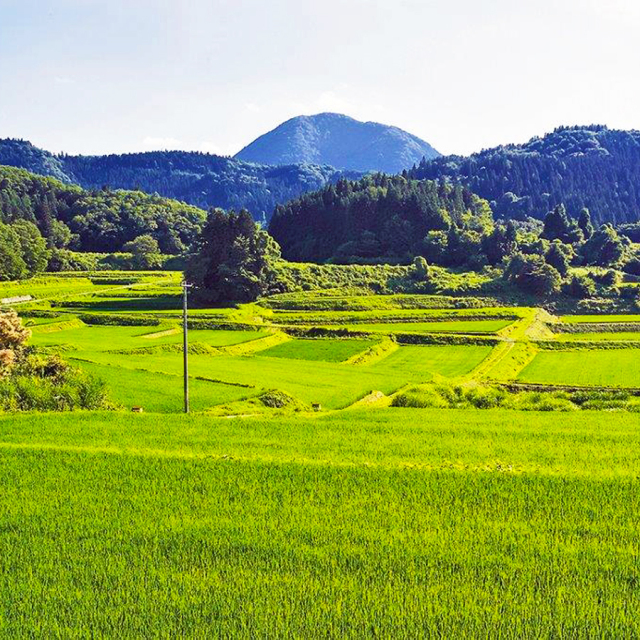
[
  {"x": 596, "y": 327},
  {"x": 587, "y": 345}
]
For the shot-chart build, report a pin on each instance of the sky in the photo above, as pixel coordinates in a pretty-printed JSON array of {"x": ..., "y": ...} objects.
[{"x": 114, "y": 76}]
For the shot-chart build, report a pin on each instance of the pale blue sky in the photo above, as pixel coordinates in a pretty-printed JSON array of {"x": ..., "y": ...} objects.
[{"x": 101, "y": 76}]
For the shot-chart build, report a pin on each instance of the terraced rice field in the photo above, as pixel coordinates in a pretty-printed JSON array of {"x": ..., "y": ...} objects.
[
  {"x": 318, "y": 350},
  {"x": 362, "y": 522},
  {"x": 162, "y": 393},
  {"x": 454, "y": 326},
  {"x": 599, "y": 336},
  {"x": 104, "y": 338},
  {"x": 309, "y": 370},
  {"x": 607, "y": 368},
  {"x": 449, "y": 360},
  {"x": 604, "y": 318}
]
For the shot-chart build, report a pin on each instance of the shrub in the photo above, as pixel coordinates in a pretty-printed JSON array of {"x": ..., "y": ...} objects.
[
  {"x": 543, "y": 401},
  {"x": 420, "y": 399},
  {"x": 276, "y": 399},
  {"x": 532, "y": 274},
  {"x": 632, "y": 266},
  {"x": 65, "y": 390},
  {"x": 580, "y": 287}
]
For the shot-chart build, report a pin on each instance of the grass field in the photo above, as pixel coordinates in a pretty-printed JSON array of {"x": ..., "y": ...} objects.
[
  {"x": 162, "y": 393},
  {"x": 398, "y": 523},
  {"x": 356, "y": 520},
  {"x": 600, "y": 318},
  {"x": 89, "y": 339},
  {"x": 55, "y": 287},
  {"x": 309, "y": 370},
  {"x": 332, "y": 384},
  {"x": 325, "y": 350},
  {"x": 599, "y": 336},
  {"x": 608, "y": 368},
  {"x": 454, "y": 326},
  {"x": 450, "y": 360}
]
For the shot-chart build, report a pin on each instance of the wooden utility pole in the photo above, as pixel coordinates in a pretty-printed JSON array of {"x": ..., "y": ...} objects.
[{"x": 185, "y": 343}]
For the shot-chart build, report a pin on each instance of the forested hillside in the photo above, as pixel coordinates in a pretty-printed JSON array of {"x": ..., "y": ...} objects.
[
  {"x": 97, "y": 220},
  {"x": 339, "y": 141},
  {"x": 382, "y": 218},
  {"x": 200, "y": 179},
  {"x": 22, "y": 154},
  {"x": 593, "y": 167}
]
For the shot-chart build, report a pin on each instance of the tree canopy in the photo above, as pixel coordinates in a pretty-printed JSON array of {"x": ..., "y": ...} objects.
[
  {"x": 233, "y": 259},
  {"x": 100, "y": 220},
  {"x": 383, "y": 218},
  {"x": 579, "y": 167}
]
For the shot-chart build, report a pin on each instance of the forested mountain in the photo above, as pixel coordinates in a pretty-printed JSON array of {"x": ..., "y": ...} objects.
[
  {"x": 383, "y": 218},
  {"x": 20, "y": 153},
  {"x": 593, "y": 167},
  {"x": 339, "y": 141},
  {"x": 97, "y": 220},
  {"x": 201, "y": 179}
]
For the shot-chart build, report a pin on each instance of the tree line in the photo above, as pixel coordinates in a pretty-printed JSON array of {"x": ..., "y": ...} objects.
[
  {"x": 382, "y": 218},
  {"x": 593, "y": 167},
  {"x": 99, "y": 220}
]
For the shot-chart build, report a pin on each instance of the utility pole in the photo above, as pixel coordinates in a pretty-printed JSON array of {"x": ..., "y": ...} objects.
[{"x": 185, "y": 344}]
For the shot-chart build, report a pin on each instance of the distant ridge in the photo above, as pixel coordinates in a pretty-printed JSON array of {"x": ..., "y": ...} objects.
[
  {"x": 200, "y": 179},
  {"x": 582, "y": 166},
  {"x": 339, "y": 141}
]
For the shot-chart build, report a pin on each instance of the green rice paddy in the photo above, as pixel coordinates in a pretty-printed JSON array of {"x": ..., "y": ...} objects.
[
  {"x": 606, "y": 368},
  {"x": 455, "y": 326},
  {"x": 605, "y": 336},
  {"x": 346, "y": 519},
  {"x": 397, "y": 523},
  {"x": 312, "y": 350},
  {"x": 601, "y": 318}
]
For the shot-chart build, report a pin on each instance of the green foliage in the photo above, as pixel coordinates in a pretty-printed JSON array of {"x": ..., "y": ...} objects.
[
  {"x": 580, "y": 286},
  {"x": 32, "y": 245},
  {"x": 420, "y": 268},
  {"x": 559, "y": 256},
  {"x": 100, "y": 220},
  {"x": 12, "y": 264},
  {"x": 605, "y": 247},
  {"x": 585, "y": 224},
  {"x": 472, "y": 395},
  {"x": 47, "y": 383},
  {"x": 533, "y": 275},
  {"x": 382, "y": 218},
  {"x": 145, "y": 252},
  {"x": 592, "y": 166},
  {"x": 23, "y": 250},
  {"x": 501, "y": 243},
  {"x": 275, "y": 399},
  {"x": 558, "y": 226},
  {"x": 233, "y": 260},
  {"x": 200, "y": 179}
]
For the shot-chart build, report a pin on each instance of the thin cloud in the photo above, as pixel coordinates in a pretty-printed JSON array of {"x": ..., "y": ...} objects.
[
  {"x": 161, "y": 143},
  {"x": 617, "y": 8}
]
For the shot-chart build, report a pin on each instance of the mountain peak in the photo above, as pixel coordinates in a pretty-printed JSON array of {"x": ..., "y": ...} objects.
[{"x": 339, "y": 141}]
